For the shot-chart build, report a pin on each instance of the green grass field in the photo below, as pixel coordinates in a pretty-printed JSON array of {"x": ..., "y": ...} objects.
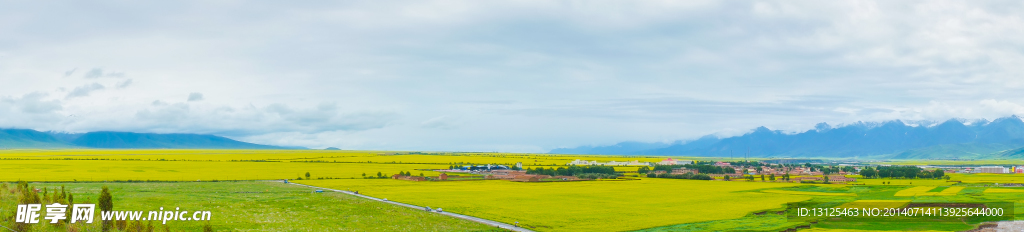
[{"x": 253, "y": 206}]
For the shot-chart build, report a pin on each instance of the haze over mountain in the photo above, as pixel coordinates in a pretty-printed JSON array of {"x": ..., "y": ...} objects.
[
  {"x": 954, "y": 138},
  {"x": 25, "y": 138}
]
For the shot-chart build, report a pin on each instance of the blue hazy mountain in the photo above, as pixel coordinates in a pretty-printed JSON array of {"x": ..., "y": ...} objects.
[
  {"x": 108, "y": 139},
  {"x": 893, "y": 139},
  {"x": 24, "y": 138},
  {"x": 619, "y": 148}
]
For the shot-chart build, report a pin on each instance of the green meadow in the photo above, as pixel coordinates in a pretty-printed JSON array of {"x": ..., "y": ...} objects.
[{"x": 247, "y": 206}]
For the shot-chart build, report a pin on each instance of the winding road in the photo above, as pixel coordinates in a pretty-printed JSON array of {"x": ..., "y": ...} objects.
[{"x": 471, "y": 218}]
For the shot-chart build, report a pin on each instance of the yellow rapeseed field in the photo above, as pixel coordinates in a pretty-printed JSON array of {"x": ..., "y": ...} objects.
[
  {"x": 807, "y": 193},
  {"x": 875, "y": 204},
  {"x": 105, "y": 170},
  {"x": 199, "y": 164},
  {"x": 924, "y": 191},
  {"x": 1003, "y": 190},
  {"x": 580, "y": 206},
  {"x": 989, "y": 178},
  {"x": 915, "y": 191},
  {"x": 914, "y": 182}
]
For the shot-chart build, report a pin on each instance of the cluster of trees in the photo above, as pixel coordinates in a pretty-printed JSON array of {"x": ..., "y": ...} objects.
[
  {"x": 832, "y": 169},
  {"x": 26, "y": 194},
  {"x": 573, "y": 170},
  {"x": 690, "y": 176},
  {"x": 379, "y": 176},
  {"x": 747, "y": 163},
  {"x": 597, "y": 176},
  {"x": 407, "y": 174},
  {"x": 901, "y": 172}
]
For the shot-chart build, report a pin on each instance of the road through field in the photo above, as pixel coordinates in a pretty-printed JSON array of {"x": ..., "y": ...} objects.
[{"x": 475, "y": 219}]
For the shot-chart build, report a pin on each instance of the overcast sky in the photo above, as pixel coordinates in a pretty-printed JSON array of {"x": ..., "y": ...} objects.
[{"x": 519, "y": 76}]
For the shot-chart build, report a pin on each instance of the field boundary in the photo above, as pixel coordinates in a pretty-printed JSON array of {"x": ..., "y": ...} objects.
[{"x": 416, "y": 207}]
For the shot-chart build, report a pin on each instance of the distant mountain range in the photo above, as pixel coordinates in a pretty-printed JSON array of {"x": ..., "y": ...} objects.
[
  {"x": 952, "y": 139},
  {"x": 25, "y": 138}
]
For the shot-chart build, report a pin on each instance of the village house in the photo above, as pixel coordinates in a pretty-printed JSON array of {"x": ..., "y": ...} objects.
[
  {"x": 506, "y": 174},
  {"x": 529, "y": 178},
  {"x": 840, "y": 179},
  {"x": 409, "y": 178},
  {"x": 566, "y": 178},
  {"x": 722, "y": 176},
  {"x": 521, "y": 176},
  {"x": 613, "y": 163},
  {"x": 805, "y": 178},
  {"x": 582, "y": 163},
  {"x": 992, "y": 169},
  {"x": 670, "y": 161},
  {"x": 638, "y": 163},
  {"x": 680, "y": 171},
  {"x": 609, "y": 163}
]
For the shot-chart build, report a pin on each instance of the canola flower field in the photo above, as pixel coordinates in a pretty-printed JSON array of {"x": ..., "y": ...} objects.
[
  {"x": 580, "y": 206},
  {"x": 206, "y": 165},
  {"x": 645, "y": 204}
]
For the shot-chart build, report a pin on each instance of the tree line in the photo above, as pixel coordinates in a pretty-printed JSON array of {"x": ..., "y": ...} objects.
[
  {"x": 902, "y": 172},
  {"x": 687, "y": 175},
  {"x": 23, "y": 193}
]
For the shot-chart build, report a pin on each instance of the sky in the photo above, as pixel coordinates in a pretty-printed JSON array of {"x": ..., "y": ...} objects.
[{"x": 511, "y": 76}]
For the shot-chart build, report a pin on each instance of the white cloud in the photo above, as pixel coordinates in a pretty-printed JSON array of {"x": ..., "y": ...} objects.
[
  {"x": 34, "y": 103},
  {"x": 442, "y": 122},
  {"x": 82, "y": 91},
  {"x": 124, "y": 84},
  {"x": 30, "y": 110},
  {"x": 98, "y": 73},
  {"x": 249, "y": 121},
  {"x": 195, "y": 97},
  {"x": 1002, "y": 107}
]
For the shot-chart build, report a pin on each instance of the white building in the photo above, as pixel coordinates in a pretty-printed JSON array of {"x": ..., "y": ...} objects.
[
  {"x": 609, "y": 163},
  {"x": 581, "y": 162},
  {"x": 992, "y": 169},
  {"x": 638, "y": 163},
  {"x": 614, "y": 163},
  {"x": 671, "y": 161}
]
